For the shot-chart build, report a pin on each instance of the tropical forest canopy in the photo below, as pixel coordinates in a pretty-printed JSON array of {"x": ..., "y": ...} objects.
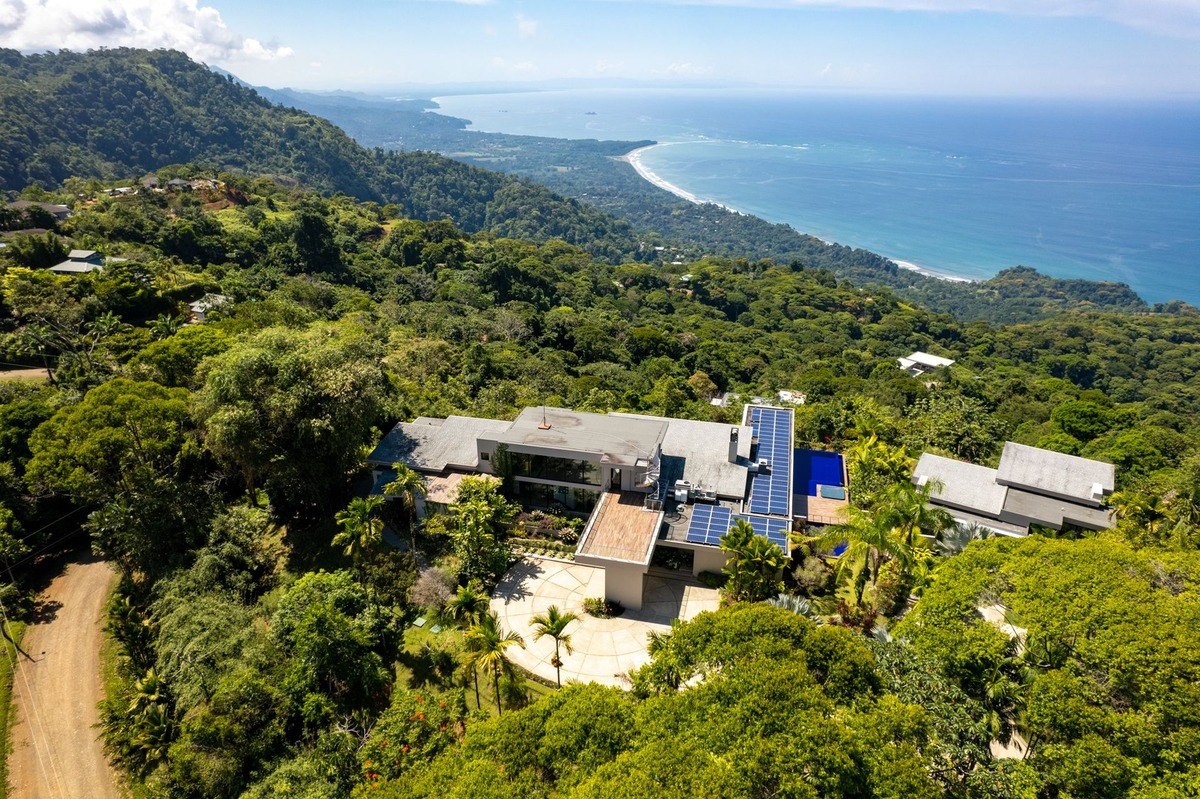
[{"x": 265, "y": 624}]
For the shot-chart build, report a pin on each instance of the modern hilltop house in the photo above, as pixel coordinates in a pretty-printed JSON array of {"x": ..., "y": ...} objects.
[
  {"x": 1031, "y": 486},
  {"x": 643, "y": 481}
]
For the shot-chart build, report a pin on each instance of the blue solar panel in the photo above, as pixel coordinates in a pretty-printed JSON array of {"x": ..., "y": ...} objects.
[
  {"x": 774, "y": 530},
  {"x": 708, "y": 524},
  {"x": 771, "y": 493}
]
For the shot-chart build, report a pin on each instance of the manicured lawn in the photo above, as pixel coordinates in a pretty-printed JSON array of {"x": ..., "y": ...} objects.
[{"x": 431, "y": 659}]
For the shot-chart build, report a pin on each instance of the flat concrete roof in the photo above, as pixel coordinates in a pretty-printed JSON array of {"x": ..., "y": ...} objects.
[
  {"x": 1056, "y": 473},
  {"x": 434, "y": 445},
  {"x": 925, "y": 359},
  {"x": 617, "y": 440},
  {"x": 964, "y": 485},
  {"x": 1054, "y": 512},
  {"x": 704, "y": 449}
]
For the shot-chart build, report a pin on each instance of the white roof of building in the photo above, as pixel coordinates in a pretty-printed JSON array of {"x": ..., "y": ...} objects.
[
  {"x": 1055, "y": 473},
  {"x": 81, "y": 255},
  {"x": 704, "y": 449},
  {"x": 925, "y": 359},
  {"x": 434, "y": 445},
  {"x": 618, "y": 440},
  {"x": 964, "y": 485}
]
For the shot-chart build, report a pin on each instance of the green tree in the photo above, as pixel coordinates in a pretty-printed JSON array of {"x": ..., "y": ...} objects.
[
  {"x": 407, "y": 486},
  {"x": 754, "y": 564},
  {"x": 289, "y": 411},
  {"x": 480, "y": 520},
  {"x": 554, "y": 623},
  {"x": 361, "y": 531},
  {"x": 488, "y": 645}
]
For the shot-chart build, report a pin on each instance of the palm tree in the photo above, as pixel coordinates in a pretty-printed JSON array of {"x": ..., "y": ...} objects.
[
  {"x": 554, "y": 623},
  {"x": 362, "y": 531},
  {"x": 406, "y": 487},
  {"x": 735, "y": 542},
  {"x": 164, "y": 326},
  {"x": 905, "y": 507},
  {"x": 487, "y": 644},
  {"x": 869, "y": 542},
  {"x": 468, "y": 605}
]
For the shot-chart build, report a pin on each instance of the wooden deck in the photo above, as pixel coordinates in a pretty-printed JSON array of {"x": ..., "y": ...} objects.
[
  {"x": 818, "y": 510},
  {"x": 621, "y": 529}
]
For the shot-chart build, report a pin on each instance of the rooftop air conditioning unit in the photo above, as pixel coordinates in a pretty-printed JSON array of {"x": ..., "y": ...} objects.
[
  {"x": 764, "y": 466},
  {"x": 682, "y": 490}
]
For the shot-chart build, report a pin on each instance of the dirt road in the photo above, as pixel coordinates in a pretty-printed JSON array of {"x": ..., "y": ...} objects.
[{"x": 55, "y": 753}]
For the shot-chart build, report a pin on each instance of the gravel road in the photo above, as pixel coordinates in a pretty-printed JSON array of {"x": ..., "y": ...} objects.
[{"x": 55, "y": 752}]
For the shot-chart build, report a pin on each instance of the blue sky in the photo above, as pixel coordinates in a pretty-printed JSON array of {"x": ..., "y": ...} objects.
[{"x": 1147, "y": 48}]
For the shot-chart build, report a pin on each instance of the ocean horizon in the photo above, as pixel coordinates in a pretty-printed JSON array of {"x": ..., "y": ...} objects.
[{"x": 956, "y": 188}]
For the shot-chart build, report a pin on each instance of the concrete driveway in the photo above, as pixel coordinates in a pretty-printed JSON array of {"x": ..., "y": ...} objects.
[{"x": 606, "y": 650}]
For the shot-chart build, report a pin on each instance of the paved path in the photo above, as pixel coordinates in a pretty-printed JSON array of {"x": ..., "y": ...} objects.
[
  {"x": 605, "y": 649},
  {"x": 56, "y": 753}
]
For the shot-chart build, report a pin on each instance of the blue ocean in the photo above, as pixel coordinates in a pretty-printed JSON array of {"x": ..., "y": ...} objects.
[{"x": 1098, "y": 190}]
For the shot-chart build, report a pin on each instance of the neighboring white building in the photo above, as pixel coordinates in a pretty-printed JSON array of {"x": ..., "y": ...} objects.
[
  {"x": 1032, "y": 486},
  {"x": 919, "y": 363}
]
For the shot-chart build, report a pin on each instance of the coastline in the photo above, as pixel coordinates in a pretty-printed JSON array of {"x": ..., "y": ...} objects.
[{"x": 634, "y": 159}]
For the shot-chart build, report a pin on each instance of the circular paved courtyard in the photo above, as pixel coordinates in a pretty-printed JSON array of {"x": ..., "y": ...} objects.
[{"x": 606, "y": 650}]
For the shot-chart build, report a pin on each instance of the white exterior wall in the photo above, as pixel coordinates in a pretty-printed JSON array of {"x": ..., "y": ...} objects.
[{"x": 624, "y": 583}]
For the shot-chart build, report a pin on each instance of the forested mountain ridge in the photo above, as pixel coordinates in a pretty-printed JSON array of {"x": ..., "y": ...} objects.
[
  {"x": 112, "y": 113},
  {"x": 588, "y": 169}
]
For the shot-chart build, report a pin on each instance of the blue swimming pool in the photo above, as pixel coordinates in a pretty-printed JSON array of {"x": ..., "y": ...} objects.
[{"x": 815, "y": 467}]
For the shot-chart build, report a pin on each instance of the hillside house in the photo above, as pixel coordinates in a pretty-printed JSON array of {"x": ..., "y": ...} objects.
[
  {"x": 642, "y": 482},
  {"x": 918, "y": 363},
  {"x": 80, "y": 262},
  {"x": 1031, "y": 486}
]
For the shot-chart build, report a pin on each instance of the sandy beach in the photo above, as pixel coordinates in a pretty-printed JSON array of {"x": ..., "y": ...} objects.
[{"x": 634, "y": 159}]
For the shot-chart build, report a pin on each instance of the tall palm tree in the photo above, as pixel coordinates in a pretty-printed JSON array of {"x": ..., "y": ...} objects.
[
  {"x": 362, "y": 530},
  {"x": 554, "y": 623},
  {"x": 406, "y": 487},
  {"x": 488, "y": 644},
  {"x": 468, "y": 605}
]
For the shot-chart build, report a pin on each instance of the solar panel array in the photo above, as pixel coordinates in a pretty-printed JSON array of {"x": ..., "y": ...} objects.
[
  {"x": 771, "y": 493},
  {"x": 774, "y": 530},
  {"x": 709, "y": 523}
]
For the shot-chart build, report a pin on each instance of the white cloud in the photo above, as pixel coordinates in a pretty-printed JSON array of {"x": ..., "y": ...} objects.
[
  {"x": 199, "y": 31},
  {"x": 527, "y": 28},
  {"x": 687, "y": 69},
  {"x": 1172, "y": 17}
]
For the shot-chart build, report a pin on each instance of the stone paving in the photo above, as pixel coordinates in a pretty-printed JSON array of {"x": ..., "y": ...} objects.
[{"x": 606, "y": 650}]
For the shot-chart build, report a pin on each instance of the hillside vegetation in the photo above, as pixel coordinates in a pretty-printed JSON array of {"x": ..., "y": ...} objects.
[{"x": 267, "y": 630}]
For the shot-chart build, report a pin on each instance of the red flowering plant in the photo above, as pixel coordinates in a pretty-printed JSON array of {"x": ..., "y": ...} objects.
[{"x": 416, "y": 726}]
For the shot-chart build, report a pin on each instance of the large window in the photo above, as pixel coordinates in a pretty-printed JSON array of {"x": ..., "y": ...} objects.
[
  {"x": 563, "y": 470},
  {"x": 539, "y": 495}
]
